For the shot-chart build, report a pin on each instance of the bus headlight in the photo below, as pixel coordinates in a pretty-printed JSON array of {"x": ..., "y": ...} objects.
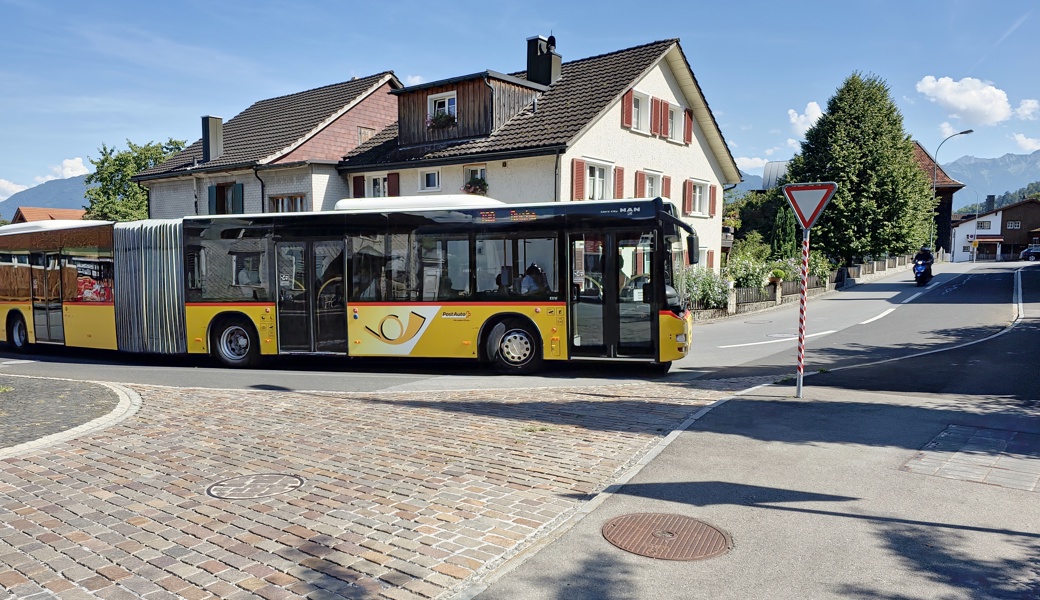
[{"x": 681, "y": 338}]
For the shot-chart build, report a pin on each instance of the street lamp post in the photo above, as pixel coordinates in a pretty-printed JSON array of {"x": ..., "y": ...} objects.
[
  {"x": 975, "y": 241},
  {"x": 935, "y": 174}
]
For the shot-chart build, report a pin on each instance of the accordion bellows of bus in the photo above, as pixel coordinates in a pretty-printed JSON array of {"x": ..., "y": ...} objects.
[{"x": 464, "y": 277}]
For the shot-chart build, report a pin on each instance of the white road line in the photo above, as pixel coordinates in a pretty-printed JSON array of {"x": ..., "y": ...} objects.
[
  {"x": 793, "y": 338},
  {"x": 911, "y": 298},
  {"x": 15, "y": 362},
  {"x": 884, "y": 314}
]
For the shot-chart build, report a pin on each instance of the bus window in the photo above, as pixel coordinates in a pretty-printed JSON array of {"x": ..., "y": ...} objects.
[{"x": 503, "y": 259}]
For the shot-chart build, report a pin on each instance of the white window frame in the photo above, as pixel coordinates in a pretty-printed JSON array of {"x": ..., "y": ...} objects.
[
  {"x": 422, "y": 180},
  {"x": 987, "y": 225},
  {"x": 450, "y": 104},
  {"x": 699, "y": 202},
  {"x": 471, "y": 171},
  {"x": 377, "y": 186},
  {"x": 606, "y": 187},
  {"x": 654, "y": 183},
  {"x": 641, "y": 118},
  {"x": 675, "y": 124},
  {"x": 282, "y": 203},
  {"x": 1014, "y": 224}
]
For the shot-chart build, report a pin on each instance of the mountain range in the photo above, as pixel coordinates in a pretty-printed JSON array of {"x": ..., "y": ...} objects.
[
  {"x": 986, "y": 176},
  {"x": 56, "y": 193}
]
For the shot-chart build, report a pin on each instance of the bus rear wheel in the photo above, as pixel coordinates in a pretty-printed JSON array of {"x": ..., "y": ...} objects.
[
  {"x": 519, "y": 351},
  {"x": 17, "y": 333},
  {"x": 234, "y": 343}
]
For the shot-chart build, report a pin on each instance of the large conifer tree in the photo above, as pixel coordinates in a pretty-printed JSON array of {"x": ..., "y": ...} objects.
[{"x": 884, "y": 201}]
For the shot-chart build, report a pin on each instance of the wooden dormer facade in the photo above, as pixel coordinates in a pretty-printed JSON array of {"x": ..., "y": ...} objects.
[{"x": 481, "y": 103}]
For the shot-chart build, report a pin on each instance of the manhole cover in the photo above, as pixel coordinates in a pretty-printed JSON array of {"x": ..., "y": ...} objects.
[
  {"x": 254, "y": 486},
  {"x": 668, "y": 537}
]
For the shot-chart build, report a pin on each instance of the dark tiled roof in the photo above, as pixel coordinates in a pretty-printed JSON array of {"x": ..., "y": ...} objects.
[
  {"x": 928, "y": 165},
  {"x": 585, "y": 89},
  {"x": 271, "y": 125}
]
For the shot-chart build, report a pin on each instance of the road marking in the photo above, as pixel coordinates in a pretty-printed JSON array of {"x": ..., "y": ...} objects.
[
  {"x": 884, "y": 314},
  {"x": 911, "y": 298},
  {"x": 793, "y": 338},
  {"x": 16, "y": 362}
]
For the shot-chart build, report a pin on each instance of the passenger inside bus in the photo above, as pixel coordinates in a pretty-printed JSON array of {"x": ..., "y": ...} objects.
[{"x": 534, "y": 281}]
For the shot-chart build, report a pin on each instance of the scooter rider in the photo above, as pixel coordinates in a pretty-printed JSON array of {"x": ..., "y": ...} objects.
[{"x": 925, "y": 254}]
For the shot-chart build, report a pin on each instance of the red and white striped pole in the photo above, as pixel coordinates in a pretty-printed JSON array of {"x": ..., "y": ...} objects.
[{"x": 801, "y": 310}]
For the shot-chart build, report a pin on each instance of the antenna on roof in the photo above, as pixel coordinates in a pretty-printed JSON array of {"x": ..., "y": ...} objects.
[{"x": 552, "y": 41}]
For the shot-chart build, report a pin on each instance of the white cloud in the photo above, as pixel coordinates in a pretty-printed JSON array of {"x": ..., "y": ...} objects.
[
  {"x": 413, "y": 80},
  {"x": 975, "y": 101},
  {"x": 947, "y": 130},
  {"x": 801, "y": 123},
  {"x": 749, "y": 164},
  {"x": 70, "y": 167},
  {"x": 1028, "y": 109},
  {"x": 1027, "y": 144},
  {"x": 793, "y": 143},
  {"x": 10, "y": 188}
]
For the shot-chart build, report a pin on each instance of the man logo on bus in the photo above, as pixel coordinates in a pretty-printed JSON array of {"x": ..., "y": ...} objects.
[{"x": 392, "y": 331}]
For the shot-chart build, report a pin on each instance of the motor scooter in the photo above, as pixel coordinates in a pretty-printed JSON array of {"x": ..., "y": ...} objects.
[{"x": 921, "y": 272}]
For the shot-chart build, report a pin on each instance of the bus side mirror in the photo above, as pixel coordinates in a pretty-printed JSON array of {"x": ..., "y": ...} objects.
[{"x": 693, "y": 248}]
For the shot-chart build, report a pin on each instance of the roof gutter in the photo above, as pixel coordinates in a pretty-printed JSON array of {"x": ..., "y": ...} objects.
[{"x": 453, "y": 160}]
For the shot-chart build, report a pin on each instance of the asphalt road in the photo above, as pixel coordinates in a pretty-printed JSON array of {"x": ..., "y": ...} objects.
[{"x": 884, "y": 318}]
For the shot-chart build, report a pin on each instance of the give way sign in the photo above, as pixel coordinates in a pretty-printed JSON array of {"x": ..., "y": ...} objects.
[{"x": 808, "y": 199}]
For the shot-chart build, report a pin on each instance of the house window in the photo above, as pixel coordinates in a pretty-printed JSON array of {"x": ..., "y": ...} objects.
[
  {"x": 195, "y": 268},
  {"x": 442, "y": 103},
  {"x": 596, "y": 186},
  {"x": 983, "y": 224},
  {"x": 246, "y": 268},
  {"x": 653, "y": 185},
  {"x": 640, "y": 112},
  {"x": 283, "y": 204},
  {"x": 695, "y": 198},
  {"x": 379, "y": 189},
  {"x": 364, "y": 134},
  {"x": 1014, "y": 224},
  {"x": 429, "y": 181},
  {"x": 226, "y": 199},
  {"x": 675, "y": 129},
  {"x": 966, "y": 249}
]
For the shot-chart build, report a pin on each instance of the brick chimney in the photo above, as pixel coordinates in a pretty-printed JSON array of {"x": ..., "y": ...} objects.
[
  {"x": 212, "y": 138},
  {"x": 543, "y": 63}
]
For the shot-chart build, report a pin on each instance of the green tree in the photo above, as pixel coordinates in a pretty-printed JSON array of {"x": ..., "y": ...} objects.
[
  {"x": 884, "y": 203},
  {"x": 115, "y": 197},
  {"x": 782, "y": 241}
]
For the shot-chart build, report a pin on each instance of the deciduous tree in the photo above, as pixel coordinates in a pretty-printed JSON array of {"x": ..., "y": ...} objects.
[{"x": 115, "y": 197}]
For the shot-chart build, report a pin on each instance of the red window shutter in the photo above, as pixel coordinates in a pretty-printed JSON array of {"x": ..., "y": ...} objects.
[
  {"x": 640, "y": 191},
  {"x": 666, "y": 186},
  {"x": 619, "y": 182},
  {"x": 688, "y": 127},
  {"x": 578, "y": 179},
  {"x": 711, "y": 201},
  {"x": 626, "y": 109},
  {"x": 393, "y": 184},
  {"x": 711, "y": 259},
  {"x": 359, "y": 186},
  {"x": 687, "y": 197},
  {"x": 655, "y": 116},
  {"x": 664, "y": 118}
]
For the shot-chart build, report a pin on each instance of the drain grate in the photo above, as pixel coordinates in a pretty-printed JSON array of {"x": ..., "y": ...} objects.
[
  {"x": 667, "y": 537},
  {"x": 254, "y": 486}
]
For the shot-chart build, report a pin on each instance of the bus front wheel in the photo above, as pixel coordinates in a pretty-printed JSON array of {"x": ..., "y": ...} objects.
[
  {"x": 17, "y": 333},
  {"x": 234, "y": 343},
  {"x": 518, "y": 351}
]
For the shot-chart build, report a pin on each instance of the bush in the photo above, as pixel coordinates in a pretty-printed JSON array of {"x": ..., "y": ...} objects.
[
  {"x": 790, "y": 269},
  {"x": 703, "y": 287},
  {"x": 746, "y": 272},
  {"x": 819, "y": 265}
]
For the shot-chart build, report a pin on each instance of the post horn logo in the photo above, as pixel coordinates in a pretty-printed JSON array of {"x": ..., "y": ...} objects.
[{"x": 392, "y": 331}]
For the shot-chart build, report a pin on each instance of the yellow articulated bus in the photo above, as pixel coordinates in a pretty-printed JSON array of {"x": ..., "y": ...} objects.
[{"x": 443, "y": 277}]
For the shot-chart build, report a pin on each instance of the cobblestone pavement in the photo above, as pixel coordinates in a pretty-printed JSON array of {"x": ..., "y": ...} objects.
[
  {"x": 235, "y": 494},
  {"x": 32, "y": 408}
]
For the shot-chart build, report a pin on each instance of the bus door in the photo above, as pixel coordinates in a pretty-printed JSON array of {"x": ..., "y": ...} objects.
[
  {"x": 610, "y": 318},
  {"x": 312, "y": 312},
  {"x": 46, "y": 297}
]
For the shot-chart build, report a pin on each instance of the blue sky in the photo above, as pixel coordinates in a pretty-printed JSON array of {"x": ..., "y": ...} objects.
[{"x": 75, "y": 75}]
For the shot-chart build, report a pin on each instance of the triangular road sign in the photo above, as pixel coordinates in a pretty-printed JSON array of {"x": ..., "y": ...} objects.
[{"x": 808, "y": 199}]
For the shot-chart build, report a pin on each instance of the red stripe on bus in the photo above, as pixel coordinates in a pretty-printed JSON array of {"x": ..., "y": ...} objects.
[
  {"x": 249, "y": 304},
  {"x": 88, "y": 303},
  {"x": 456, "y": 303}
]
